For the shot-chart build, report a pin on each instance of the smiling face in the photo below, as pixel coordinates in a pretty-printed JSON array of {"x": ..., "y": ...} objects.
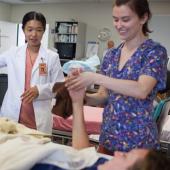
[
  {"x": 127, "y": 22},
  {"x": 122, "y": 161},
  {"x": 33, "y": 31}
]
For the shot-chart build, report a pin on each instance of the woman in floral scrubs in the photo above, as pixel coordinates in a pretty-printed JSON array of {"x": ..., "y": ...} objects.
[
  {"x": 127, "y": 120},
  {"x": 131, "y": 75}
]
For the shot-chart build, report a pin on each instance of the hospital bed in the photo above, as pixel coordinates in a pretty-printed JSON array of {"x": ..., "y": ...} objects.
[
  {"x": 62, "y": 128},
  {"x": 93, "y": 117}
]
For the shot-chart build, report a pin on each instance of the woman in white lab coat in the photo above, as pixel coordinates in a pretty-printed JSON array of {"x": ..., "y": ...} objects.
[{"x": 32, "y": 72}]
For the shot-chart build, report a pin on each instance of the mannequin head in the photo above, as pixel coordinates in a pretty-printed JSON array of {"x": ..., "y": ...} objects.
[{"x": 110, "y": 44}]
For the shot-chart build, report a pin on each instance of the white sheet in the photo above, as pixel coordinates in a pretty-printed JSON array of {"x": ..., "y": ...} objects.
[
  {"x": 23, "y": 152},
  {"x": 25, "y": 147}
]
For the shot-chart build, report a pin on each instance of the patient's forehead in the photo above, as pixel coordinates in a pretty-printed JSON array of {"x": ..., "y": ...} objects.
[
  {"x": 131, "y": 157},
  {"x": 123, "y": 160},
  {"x": 139, "y": 151},
  {"x": 137, "y": 154}
]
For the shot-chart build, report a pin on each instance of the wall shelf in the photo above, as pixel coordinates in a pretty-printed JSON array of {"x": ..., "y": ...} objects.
[{"x": 70, "y": 39}]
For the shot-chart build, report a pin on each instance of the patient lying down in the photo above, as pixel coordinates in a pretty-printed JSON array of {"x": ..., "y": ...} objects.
[
  {"x": 25, "y": 149},
  {"x": 136, "y": 159}
]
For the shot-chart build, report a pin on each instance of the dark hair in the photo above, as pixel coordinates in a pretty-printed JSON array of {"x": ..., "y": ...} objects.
[
  {"x": 140, "y": 7},
  {"x": 34, "y": 16},
  {"x": 154, "y": 160}
]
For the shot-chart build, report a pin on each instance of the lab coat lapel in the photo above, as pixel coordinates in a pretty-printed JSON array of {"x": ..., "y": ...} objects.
[
  {"x": 21, "y": 58},
  {"x": 41, "y": 56}
]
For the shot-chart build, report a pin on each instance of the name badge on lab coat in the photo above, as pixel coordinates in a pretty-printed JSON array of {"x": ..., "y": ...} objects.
[{"x": 42, "y": 69}]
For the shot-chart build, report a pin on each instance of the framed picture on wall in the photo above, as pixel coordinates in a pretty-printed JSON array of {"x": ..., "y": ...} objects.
[{"x": 92, "y": 49}]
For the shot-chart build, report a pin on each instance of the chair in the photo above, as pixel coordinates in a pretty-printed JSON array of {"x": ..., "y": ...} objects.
[
  {"x": 3, "y": 86},
  {"x": 162, "y": 119},
  {"x": 159, "y": 109}
]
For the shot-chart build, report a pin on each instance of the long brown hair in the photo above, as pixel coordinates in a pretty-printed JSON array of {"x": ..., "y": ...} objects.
[{"x": 154, "y": 160}]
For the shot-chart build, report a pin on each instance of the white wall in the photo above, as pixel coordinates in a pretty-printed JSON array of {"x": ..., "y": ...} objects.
[
  {"x": 8, "y": 38},
  {"x": 160, "y": 24},
  {"x": 95, "y": 15},
  {"x": 5, "y": 12}
]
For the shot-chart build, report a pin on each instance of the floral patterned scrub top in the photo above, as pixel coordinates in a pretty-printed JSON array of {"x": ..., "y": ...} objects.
[{"x": 127, "y": 121}]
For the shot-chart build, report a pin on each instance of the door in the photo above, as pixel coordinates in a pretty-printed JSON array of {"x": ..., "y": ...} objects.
[{"x": 8, "y": 37}]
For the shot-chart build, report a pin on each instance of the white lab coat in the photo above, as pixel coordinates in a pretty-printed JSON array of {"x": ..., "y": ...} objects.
[{"x": 14, "y": 60}]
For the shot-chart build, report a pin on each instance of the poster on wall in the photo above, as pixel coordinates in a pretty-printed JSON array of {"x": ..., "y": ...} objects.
[{"x": 92, "y": 49}]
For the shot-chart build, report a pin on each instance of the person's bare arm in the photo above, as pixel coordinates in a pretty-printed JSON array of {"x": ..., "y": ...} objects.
[
  {"x": 79, "y": 134},
  {"x": 97, "y": 99},
  {"x": 139, "y": 89}
]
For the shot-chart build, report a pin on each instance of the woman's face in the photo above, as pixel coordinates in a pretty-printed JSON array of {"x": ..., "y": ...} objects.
[
  {"x": 127, "y": 22},
  {"x": 122, "y": 161},
  {"x": 33, "y": 31}
]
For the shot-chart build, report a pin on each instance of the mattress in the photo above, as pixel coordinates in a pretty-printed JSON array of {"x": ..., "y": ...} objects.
[{"x": 93, "y": 119}]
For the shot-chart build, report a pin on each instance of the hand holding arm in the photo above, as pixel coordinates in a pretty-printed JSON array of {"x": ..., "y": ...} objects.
[{"x": 81, "y": 80}]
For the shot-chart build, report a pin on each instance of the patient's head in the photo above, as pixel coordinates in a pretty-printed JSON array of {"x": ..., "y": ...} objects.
[
  {"x": 154, "y": 160},
  {"x": 122, "y": 160},
  {"x": 137, "y": 159}
]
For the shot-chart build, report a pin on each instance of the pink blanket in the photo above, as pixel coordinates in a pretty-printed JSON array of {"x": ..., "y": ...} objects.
[{"x": 93, "y": 119}]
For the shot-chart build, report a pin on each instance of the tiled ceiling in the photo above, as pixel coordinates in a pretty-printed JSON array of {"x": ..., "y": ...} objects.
[{"x": 60, "y": 1}]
